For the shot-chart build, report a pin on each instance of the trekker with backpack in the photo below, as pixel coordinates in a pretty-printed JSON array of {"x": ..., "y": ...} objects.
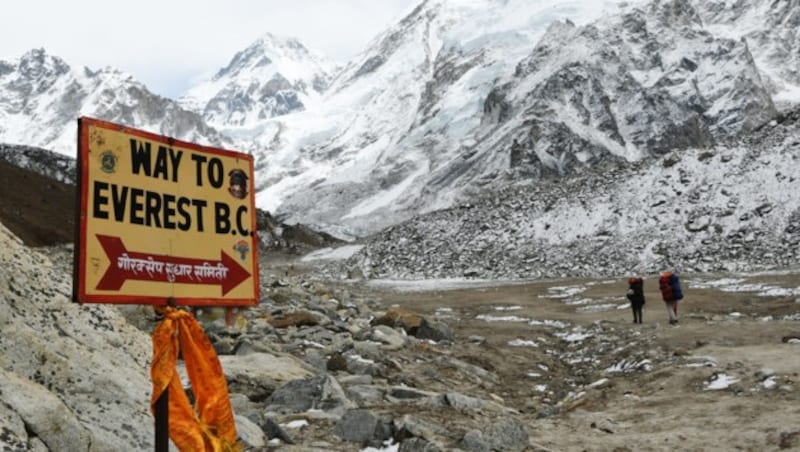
[
  {"x": 636, "y": 297},
  {"x": 671, "y": 292}
]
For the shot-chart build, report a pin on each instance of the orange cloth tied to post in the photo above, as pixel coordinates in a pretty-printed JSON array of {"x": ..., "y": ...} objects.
[{"x": 209, "y": 426}]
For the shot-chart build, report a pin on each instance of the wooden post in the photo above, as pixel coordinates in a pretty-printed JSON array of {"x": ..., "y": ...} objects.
[
  {"x": 162, "y": 411},
  {"x": 162, "y": 422}
]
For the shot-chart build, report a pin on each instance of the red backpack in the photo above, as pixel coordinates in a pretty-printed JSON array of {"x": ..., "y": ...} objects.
[{"x": 665, "y": 285}]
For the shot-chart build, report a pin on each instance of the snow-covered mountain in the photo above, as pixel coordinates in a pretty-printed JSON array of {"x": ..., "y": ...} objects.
[
  {"x": 731, "y": 207},
  {"x": 772, "y": 32},
  {"x": 41, "y": 97},
  {"x": 273, "y": 76},
  {"x": 458, "y": 97},
  {"x": 400, "y": 112},
  {"x": 464, "y": 95}
]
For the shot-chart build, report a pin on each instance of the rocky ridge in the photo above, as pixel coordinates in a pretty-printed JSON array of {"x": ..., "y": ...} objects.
[
  {"x": 772, "y": 32},
  {"x": 41, "y": 161},
  {"x": 41, "y": 96}
]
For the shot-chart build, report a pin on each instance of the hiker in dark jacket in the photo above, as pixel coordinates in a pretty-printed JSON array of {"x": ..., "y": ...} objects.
[
  {"x": 671, "y": 292},
  {"x": 636, "y": 297}
]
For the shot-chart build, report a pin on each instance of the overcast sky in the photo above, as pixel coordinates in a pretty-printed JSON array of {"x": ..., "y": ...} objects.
[{"x": 167, "y": 43}]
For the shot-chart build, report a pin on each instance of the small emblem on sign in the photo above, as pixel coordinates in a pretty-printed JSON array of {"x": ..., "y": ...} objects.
[
  {"x": 242, "y": 247},
  {"x": 108, "y": 162},
  {"x": 238, "y": 184}
]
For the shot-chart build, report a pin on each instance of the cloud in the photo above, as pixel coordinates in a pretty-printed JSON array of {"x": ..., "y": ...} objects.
[{"x": 165, "y": 44}]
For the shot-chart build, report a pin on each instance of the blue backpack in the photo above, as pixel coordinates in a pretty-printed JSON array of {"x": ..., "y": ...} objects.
[{"x": 675, "y": 283}]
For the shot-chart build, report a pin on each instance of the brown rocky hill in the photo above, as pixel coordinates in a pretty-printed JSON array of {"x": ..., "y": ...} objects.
[{"x": 37, "y": 209}]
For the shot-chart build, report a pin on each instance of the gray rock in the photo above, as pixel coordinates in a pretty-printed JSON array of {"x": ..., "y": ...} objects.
[
  {"x": 348, "y": 380},
  {"x": 473, "y": 442},
  {"x": 406, "y": 393},
  {"x": 84, "y": 359},
  {"x": 322, "y": 392},
  {"x": 464, "y": 403},
  {"x": 258, "y": 374},
  {"x": 365, "y": 395},
  {"x": 506, "y": 434},
  {"x": 242, "y": 405},
  {"x": 362, "y": 426},
  {"x": 477, "y": 373},
  {"x": 249, "y": 433},
  {"x": 417, "y": 445},
  {"x": 44, "y": 415},
  {"x": 393, "y": 338},
  {"x": 360, "y": 365},
  {"x": 368, "y": 349},
  {"x": 273, "y": 430},
  {"x": 435, "y": 331},
  {"x": 415, "y": 427}
]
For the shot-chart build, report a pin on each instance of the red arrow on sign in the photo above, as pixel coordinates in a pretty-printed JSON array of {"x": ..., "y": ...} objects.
[{"x": 126, "y": 265}]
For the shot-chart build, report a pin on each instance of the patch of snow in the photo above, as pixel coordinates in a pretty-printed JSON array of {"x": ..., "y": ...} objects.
[
  {"x": 575, "y": 336},
  {"x": 388, "y": 446},
  {"x": 600, "y": 307},
  {"x": 522, "y": 343},
  {"x": 563, "y": 291},
  {"x": 625, "y": 366},
  {"x": 331, "y": 254},
  {"x": 299, "y": 423},
  {"x": 599, "y": 382},
  {"x": 312, "y": 344},
  {"x": 430, "y": 285},
  {"x": 507, "y": 318},
  {"x": 720, "y": 381},
  {"x": 550, "y": 323},
  {"x": 702, "y": 361}
]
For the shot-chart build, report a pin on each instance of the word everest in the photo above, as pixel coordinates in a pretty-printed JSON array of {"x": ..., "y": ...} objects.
[{"x": 217, "y": 200}]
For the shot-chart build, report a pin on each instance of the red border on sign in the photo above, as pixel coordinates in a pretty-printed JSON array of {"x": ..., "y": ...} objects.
[{"x": 79, "y": 265}]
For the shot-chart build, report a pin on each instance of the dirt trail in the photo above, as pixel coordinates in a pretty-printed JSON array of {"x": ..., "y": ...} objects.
[{"x": 725, "y": 338}]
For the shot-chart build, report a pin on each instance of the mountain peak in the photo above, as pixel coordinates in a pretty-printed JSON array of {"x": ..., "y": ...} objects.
[
  {"x": 264, "y": 51},
  {"x": 270, "y": 41},
  {"x": 273, "y": 76},
  {"x": 36, "y": 63}
]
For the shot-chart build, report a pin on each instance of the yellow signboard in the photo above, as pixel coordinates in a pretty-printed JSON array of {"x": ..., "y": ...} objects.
[{"x": 162, "y": 218}]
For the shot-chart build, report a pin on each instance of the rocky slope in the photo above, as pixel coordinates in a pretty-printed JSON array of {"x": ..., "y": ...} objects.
[
  {"x": 320, "y": 366},
  {"x": 41, "y": 161},
  {"x": 772, "y": 32},
  {"x": 730, "y": 207},
  {"x": 73, "y": 377}
]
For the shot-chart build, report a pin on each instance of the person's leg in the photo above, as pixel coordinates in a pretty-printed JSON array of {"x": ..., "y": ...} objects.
[
  {"x": 671, "y": 312},
  {"x": 633, "y": 308},
  {"x": 640, "y": 313}
]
